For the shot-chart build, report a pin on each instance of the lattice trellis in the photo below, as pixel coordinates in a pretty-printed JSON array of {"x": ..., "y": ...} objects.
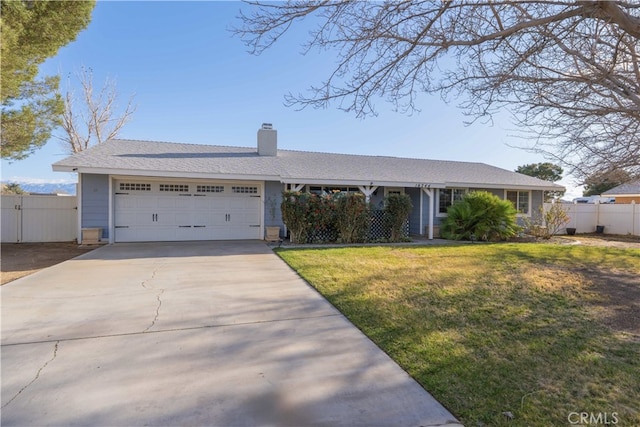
[
  {"x": 378, "y": 231},
  {"x": 323, "y": 235}
]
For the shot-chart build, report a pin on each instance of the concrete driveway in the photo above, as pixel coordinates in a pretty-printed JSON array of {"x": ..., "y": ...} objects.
[{"x": 206, "y": 333}]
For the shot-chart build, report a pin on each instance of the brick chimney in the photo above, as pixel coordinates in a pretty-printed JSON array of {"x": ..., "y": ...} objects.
[{"x": 267, "y": 140}]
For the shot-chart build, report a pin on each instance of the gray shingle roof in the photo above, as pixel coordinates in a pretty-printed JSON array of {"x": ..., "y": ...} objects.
[
  {"x": 630, "y": 188},
  {"x": 214, "y": 161}
]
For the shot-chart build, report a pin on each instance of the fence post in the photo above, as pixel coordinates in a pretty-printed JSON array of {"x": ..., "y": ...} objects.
[{"x": 633, "y": 218}]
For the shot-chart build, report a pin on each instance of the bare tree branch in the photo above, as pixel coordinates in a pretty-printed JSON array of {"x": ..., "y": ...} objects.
[
  {"x": 568, "y": 71},
  {"x": 96, "y": 114}
]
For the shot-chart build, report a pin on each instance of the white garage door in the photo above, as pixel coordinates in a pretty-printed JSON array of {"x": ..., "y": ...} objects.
[{"x": 174, "y": 211}]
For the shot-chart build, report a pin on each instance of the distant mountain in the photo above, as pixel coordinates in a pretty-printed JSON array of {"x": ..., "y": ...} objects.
[{"x": 47, "y": 187}]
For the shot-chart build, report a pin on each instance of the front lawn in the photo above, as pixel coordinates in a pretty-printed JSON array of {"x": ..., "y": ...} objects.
[{"x": 501, "y": 334}]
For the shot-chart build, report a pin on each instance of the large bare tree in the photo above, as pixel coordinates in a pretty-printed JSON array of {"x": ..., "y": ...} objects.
[
  {"x": 92, "y": 117},
  {"x": 568, "y": 71}
]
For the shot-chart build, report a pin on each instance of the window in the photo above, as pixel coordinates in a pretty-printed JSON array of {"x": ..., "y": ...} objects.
[
  {"x": 245, "y": 190},
  {"x": 520, "y": 200},
  {"x": 447, "y": 196},
  {"x": 209, "y": 189},
  {"x": 393, "y": 190},
  {"x": 320, "y": 191},
  {"x": 134, "y": 186},
  {"x": 182, "y": 188}
]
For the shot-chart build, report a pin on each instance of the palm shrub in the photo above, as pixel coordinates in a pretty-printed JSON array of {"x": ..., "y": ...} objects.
[
  {"x": 397, "y": 209},
  {"x": 480, "y": 215},
  {"x": 352, "y": 217}
]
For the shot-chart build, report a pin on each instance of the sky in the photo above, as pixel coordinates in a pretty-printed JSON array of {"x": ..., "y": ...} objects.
[{"x": 193, "y": 81}]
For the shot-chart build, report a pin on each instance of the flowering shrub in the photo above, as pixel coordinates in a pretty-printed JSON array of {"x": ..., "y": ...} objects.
[
  {"x": 309, "y": 217},
  {"x": 321, "y": 217},
  {"x": 352, "y": 217}
]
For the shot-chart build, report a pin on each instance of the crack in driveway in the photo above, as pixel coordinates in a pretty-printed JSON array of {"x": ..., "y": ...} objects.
[
  {"x": 144, "y": 285},
  {"x": 153, "y": 276},
  {"x": 55, "y": 354},
  {"x": 153, "y": 322}
]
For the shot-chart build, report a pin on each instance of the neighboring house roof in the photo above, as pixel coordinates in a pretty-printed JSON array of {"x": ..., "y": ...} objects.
[
  {"x": 628, "y": 189},
  {"x": 148, "y": 158}
]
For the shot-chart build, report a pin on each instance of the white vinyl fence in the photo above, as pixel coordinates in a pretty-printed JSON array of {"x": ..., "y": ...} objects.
[
  {"x": 616, "y": 219},
  {"x": 27, "y": 218}
]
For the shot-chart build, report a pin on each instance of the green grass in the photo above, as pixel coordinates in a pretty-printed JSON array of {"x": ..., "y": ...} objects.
[{"x": 488, "y": 329}]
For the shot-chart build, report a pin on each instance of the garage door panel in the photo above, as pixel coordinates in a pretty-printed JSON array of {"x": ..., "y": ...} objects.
[
  {"x": 144, "y": 202},
  {"x": 173, "y": 218},
  {"x": 174, "y": 202},
  {"x": 220, "y": 211},
  {"x": 125, "y": 202},
  {"x": 127, "y": 218}
]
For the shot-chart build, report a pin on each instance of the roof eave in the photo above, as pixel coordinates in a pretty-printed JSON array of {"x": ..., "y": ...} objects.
[
  {"x": 166, "y": 174},
  {"x": 551, "y": 187},
  {"x": 358, "y": 182}
]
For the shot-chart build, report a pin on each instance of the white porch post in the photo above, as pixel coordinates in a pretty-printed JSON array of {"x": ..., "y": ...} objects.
[
  {"x": 421, "y": 221},
  {"x": 430, "y": 192},
  {"x": 368, "y": 190},
  {"x": 79, "y": 203}
]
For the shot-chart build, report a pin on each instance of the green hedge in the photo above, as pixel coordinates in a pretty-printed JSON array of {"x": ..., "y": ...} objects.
[{"x": 339, "y": 217}]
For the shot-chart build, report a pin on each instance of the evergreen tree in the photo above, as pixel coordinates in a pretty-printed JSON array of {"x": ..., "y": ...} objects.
[{"x": 31, "y": 32}]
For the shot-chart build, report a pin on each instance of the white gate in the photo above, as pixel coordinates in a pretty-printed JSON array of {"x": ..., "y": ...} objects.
[{"x": 27, "y": 218}]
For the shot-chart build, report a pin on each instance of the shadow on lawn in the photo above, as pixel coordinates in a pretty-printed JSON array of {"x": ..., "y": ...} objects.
[{"x": 495, "y": 343}]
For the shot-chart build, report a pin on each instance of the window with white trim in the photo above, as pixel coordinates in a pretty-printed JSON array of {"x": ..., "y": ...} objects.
[
  {"x": 320, "y": 190},
  {"x": 393, "y": 190},
  {"x": 447, "y": 197},
  {"x": 520, "y": 200}
]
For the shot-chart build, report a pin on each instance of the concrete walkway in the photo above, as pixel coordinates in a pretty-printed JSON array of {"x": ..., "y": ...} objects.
[{"x": 206, "y": 333}]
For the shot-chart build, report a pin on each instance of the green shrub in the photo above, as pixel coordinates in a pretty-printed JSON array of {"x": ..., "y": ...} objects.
[
  {"x": 397, "y": 208},
  {"x": 480, "y": 216},
  {"x": 352, "y": 217},
  {"x": 295, "y": 207},
  {"x": 321, "y": 218}
]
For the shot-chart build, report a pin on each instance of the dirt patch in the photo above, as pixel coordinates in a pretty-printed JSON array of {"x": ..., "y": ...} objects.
[
  {"x": 619, "y": 305},
  {"x": 605, "y": 240},
  {"x": 619, "y": 291},
  {"x": 22, "y": 259}
]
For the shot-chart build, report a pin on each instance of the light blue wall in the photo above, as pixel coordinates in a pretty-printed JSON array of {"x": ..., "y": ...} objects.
[
  {"x": 95, "y": 202},
  {"x": 414, "y": 216},
  {"x": 272, "y": 201}
]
